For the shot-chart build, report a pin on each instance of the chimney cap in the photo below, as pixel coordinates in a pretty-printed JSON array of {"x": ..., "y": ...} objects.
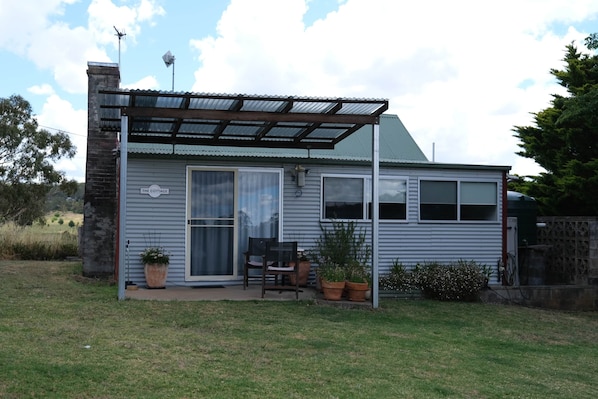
[{"x": 102, "y": 64}]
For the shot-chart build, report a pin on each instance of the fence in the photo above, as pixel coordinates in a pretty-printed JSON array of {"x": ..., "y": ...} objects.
[{"x": 573, "y": 258}]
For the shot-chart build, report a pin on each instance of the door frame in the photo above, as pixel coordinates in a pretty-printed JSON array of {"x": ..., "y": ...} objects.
[{"x": 236, "y": 171}]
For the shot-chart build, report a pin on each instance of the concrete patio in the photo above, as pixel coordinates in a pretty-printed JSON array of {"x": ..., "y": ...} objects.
[
  {"x": 237, "y": 293},
  {"x": 218, "y": 293}
]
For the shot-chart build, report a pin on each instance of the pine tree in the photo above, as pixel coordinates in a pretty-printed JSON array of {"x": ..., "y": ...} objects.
[{"x": 564, "y": 140}]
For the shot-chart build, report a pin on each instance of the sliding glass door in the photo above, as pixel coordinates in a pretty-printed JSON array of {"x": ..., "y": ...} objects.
[{"x": 225, "y": 207}]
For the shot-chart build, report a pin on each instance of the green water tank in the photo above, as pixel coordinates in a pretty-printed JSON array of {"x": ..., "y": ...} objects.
[{"x": 525, "y": 209}]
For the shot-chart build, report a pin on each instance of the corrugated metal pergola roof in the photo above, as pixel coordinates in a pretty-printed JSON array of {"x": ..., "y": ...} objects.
[{"x": 236, "y": 120}]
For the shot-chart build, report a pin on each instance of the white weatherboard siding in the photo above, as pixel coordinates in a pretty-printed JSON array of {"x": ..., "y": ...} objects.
[{"x": 410, "y": 242}]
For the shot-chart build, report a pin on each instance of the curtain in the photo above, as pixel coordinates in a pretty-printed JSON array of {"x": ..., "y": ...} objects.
[{"x": 259, "y": 206}]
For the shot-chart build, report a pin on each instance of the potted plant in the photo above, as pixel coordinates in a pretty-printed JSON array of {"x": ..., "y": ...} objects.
[
  {"x": 304, "y": 268},
  {"x": 342, "y": 245},
  {"x": 155, "y": 261},
  {"x": 357, "y": 282},
  {"x": 332, "y": 280}
]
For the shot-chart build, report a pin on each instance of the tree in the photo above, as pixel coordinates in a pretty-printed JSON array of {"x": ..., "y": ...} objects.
[
  {"x": 59, "y": 200},
  {"x": 26, "y": 156},
  {"x": 564, "y": 140},
  {"x": 592, "y": 41}
]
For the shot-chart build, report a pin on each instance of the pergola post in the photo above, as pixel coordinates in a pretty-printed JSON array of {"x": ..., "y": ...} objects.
[
  {"x": 375, "y": 210},
  {"x": 122, "y": 206}
]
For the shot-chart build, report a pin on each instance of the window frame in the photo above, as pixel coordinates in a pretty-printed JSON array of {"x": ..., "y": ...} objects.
[
  {"x": 459, "y": 203},
  {"x": 365, "y": 196}
]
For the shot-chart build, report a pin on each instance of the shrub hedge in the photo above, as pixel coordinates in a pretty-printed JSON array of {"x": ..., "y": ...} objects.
[{"x": 456, "y": 281}]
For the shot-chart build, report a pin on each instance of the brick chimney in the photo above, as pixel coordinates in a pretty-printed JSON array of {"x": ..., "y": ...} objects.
[{"x": 98, "y": 241}]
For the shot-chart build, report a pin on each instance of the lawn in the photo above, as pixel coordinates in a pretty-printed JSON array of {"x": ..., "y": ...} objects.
[{"x": 64, "y": 336}]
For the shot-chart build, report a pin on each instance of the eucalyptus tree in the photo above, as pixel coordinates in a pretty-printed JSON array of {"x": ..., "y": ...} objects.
[{"x": 27, "y": 156}]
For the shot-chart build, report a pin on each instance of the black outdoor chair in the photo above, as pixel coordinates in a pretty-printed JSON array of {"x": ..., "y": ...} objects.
[
  {"x": 256, "y": 249},
  {"x": 279, "y": 263}
]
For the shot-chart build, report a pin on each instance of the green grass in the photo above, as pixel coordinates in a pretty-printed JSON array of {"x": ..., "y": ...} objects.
[{"x": 150, "y": 349}]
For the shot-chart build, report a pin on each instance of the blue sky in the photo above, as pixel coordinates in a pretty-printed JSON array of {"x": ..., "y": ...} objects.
[{"x": 459, "y": 74}]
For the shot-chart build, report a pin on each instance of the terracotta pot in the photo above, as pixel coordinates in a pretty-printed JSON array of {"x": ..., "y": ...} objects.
[
  {"x": 304, "y": 267},
  {"x": 333, "y": 290},
  {"x": 356, "y": 291},
  {"x": 155, "y": 274}
]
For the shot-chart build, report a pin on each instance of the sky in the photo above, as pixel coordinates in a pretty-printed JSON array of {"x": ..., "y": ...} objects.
[{"x": 460, "y": 74}]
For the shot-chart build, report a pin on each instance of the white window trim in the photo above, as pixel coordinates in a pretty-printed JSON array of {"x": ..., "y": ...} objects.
[
  {"x": 236, "y": 171},
  {"x": 458, "y": 181},
  {"x": 365, "y": 178}
]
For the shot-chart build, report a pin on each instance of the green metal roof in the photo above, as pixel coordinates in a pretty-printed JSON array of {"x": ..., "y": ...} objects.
[{"x": 396, "y": 144}]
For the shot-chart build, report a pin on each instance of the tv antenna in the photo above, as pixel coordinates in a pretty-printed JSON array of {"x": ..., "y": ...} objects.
[
  {"x": 168, "y": 59},
  {"x": 120, "y": 35}
]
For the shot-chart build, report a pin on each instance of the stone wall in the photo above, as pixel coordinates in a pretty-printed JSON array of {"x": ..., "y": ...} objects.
[
  {"x": 562, "y": 297},
  {"x": 100, "y": 210}
]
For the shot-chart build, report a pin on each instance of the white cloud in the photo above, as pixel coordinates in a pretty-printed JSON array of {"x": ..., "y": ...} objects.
[
  {"x": 59, "y": 114},
  {"x": 146, "y": 83},
  {"x": 35, "y": 30},
  {"x": 29, "y": 28},
  {"x": 22, "y": 21},
  {"x": 147, "y": 9},
  {"x": 453, "y": 71},
  {"x": 528, "y": 165},
  {"x": 104, "y": 15},
  {"x": 44, "y": 89}
]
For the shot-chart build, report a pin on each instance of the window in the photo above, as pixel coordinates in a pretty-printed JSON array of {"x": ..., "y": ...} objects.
[
  {"x": 458, "y": 200},
  {"x": 343, "y": 198},
  {"x": 438, "y": 200},
  {"x": 392, "y": 194},
  {"x": 347, "y": 198},
  {"x": 478, "y": 201}
]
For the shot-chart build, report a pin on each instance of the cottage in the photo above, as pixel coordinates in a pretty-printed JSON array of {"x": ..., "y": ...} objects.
[{"x": 271, "y": 166}]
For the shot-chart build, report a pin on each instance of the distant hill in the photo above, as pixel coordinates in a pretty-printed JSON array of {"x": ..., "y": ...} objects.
[{"x": 57, "y": 200}]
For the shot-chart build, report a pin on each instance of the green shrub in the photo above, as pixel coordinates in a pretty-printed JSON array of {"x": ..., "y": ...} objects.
[
  {"x": 398, "y": 279},
  {"x": 31, "y": 251},
  {"x": 43, "y": 251},
  {"x": 66, "y": 250},
  {"x": 341, "y": 244},
  {"x": 357, "y": 273},
  {"x": 458, "y": 281},
  {"x": 332, "y": 272}
]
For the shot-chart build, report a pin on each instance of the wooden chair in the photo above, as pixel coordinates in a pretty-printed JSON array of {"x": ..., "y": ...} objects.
[
  {"x": 256, "y": 249},
  {"x": 280, "y": 261}
]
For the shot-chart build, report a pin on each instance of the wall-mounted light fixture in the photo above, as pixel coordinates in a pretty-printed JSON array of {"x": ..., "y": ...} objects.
[{"x": 299, "y": 173}]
